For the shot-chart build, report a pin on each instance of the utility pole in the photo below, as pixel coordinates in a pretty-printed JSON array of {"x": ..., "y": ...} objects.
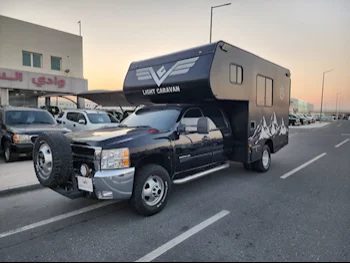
[
  {"x": 79, "y": 28},
  {"x": 324, "y": 73},
  {"x": 337, "y": 105},
  {"x": 211, "y": 18}
]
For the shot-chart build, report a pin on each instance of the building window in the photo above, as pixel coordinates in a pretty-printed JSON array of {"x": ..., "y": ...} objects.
[
  {"x": 236, "y": 74},
  {"x": 264, "y": 91},
  {"x": 31, "y": 59},
  {"x": 56, "y": 63}
]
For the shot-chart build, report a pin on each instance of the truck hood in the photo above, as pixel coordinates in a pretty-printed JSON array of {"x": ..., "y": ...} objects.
[
  {"x": 36, "y": 129},
  {"x": 99, "y": 137}
]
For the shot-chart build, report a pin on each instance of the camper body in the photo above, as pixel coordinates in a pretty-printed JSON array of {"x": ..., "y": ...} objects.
[{"x": 253, "y": 93}]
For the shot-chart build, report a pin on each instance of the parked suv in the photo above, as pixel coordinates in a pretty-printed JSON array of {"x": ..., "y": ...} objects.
[
  {"x": 80, "y": 120},
  {"x": 20, "y": 127}
]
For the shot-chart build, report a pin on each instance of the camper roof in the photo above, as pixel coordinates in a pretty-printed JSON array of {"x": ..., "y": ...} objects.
[{"x": 189, "y": 76}]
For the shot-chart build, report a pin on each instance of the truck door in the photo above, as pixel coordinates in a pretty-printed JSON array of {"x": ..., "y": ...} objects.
[
  {"x": 220, "y": 134},
  {"x": 193, "y": 150},
  {"x": 78, "y": 126}
]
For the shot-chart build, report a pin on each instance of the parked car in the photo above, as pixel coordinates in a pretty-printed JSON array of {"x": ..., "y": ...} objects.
[
  {"x": 312, "y": 117},
  {"x": 294, "y": 120},
  {"x": 303, "y": 119},
  {"x": 80, "y": 120},
  {"x": 20, "y": 127},
  {"x": 308, "y": 119}
]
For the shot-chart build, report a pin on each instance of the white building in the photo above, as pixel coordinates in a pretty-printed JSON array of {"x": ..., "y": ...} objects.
[
  {"x": 36, "y": 61},
  {"x": 300, "y": 106}
]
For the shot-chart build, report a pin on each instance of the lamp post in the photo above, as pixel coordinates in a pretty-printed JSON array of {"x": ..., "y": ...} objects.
[
  {"x": 211, "y": 18},
  {"x": 337, "y": 107},
  {"x": 324, "y": 73}
]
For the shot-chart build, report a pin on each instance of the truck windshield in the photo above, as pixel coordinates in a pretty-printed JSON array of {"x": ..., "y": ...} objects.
[
  {"x": 18, "y": 117},
  {"x": 160, "y": 119}
]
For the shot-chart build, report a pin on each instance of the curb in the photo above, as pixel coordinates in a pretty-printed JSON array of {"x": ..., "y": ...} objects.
[{"x": 20, "y": 189}]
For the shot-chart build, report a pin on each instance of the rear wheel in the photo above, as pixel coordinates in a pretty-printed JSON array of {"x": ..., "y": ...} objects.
[
  {"x": 263, "y": 165},
  {"x": 152, "y": 187}
]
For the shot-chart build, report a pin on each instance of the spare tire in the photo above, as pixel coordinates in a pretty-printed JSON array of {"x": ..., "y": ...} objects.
[{"x": 53, "y": 159}]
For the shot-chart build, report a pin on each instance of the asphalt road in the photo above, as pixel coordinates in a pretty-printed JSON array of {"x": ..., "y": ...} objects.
[{"x": 305, "y": 217}]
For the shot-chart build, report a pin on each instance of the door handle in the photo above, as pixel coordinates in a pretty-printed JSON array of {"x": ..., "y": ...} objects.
[{"x": 74, "y": 125}]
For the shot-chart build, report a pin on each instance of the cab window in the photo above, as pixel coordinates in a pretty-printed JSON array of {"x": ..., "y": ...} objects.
[
  {"x": 215, "y": 115},
  {"x": 75, "y": 117},
  {"x": 190, "y": 119},
  {"x": 72, "y": 116}
]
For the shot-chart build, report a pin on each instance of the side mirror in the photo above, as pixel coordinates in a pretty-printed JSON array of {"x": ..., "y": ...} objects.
[
  {"x": 181, "y": 128},
  {"x": 82, "y": 122},
  {"x": 203, "y": 125}
]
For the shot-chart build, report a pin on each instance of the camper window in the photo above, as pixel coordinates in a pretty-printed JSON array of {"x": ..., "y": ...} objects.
[
  {"x": 264, "y": 91},
  {"x": 236, "y": 74}
]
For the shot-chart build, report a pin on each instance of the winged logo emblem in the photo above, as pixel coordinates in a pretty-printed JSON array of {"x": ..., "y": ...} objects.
[{"x": 179, "y": 68}]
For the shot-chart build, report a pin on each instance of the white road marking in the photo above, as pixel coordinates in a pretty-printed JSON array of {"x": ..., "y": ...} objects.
[
  {"x": 340, "y": 144},
  {"x": 172, "y": 243},
  {"x": 345, "y": 134},
  {"x": 302, "y": 166},
  {"x": 56, "y": 218}
]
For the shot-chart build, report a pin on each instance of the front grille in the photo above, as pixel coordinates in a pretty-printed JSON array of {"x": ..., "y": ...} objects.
[{"x": 83, "y": 155}]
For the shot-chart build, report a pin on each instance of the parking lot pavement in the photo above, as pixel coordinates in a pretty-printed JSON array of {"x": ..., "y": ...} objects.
[{"x": 300, "y": 218}]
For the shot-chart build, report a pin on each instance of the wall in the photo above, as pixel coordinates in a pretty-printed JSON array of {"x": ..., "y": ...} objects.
[{"x": 17, "y": 36}]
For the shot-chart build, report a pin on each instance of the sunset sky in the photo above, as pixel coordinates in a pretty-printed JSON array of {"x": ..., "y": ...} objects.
[{"x": 306, "y": 36}]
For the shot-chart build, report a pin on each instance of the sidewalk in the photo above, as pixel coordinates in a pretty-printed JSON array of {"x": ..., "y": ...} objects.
[{"x": 17, "y": 177}]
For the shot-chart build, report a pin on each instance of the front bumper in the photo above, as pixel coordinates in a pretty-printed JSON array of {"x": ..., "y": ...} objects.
[
  {"x": 22, "y": 150},
  {"x": 114, "y": 184}
]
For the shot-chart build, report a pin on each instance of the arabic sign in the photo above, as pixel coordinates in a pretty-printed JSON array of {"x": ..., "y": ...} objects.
[
  {"x": 25, "y": 80},
  {"x": 18, "y": 76},
  {"x": 39, "y": 82}
]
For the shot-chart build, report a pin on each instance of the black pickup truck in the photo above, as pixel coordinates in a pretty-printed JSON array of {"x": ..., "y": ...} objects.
[{"x": 193, "y": 124}]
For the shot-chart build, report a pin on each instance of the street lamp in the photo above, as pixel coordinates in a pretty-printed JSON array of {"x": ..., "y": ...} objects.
[
  {"x": 211, "y": 17},
  {"x": 324, "y": 73},
  {"x": 337, "y": 106}
]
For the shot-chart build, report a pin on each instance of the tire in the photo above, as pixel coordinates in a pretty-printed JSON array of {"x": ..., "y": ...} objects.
[
  {"x": 8, "y": 154},
  {"x": 248, "y": 166},
  {"x": 261, "y": 165},
  {"x": 53, "y": 146},
  {"x": 143, "y": 177}
]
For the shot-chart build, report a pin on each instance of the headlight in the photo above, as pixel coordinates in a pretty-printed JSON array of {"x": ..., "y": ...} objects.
[
  {"x": 115, "y": 159},
  {"x": 21, "y": 139}
]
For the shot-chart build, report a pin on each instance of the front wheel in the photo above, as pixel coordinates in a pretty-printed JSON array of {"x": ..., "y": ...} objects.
[
  {"x": 263, "y": 165},
  {"x": 9, "y": 156},
  {"x": 152, "y": 187}
]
